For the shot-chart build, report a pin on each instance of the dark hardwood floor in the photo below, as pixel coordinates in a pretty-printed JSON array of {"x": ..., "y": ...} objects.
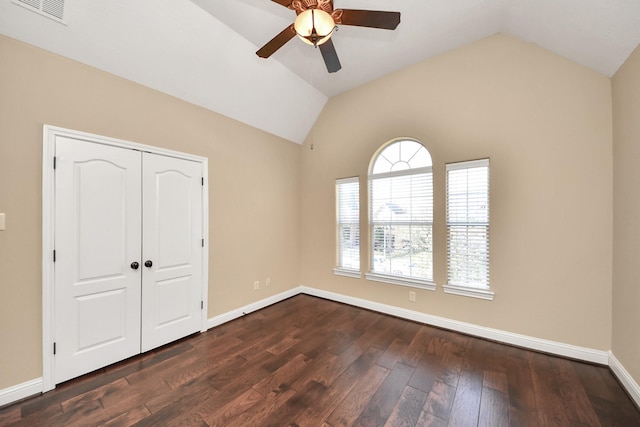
[{"x": 310, "y": 362}]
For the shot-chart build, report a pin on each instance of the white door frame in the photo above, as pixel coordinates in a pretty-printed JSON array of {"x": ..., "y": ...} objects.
[{"x": 49, "y": 135}]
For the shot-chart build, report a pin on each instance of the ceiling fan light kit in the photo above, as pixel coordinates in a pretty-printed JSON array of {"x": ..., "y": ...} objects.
[
  {"x": 314, "y": 26},
  {"x": 316, "y": 23}
]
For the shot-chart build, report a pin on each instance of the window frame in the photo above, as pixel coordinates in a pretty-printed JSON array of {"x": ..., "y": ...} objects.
[
  {"x": 482, "y": 292},
  {"x": 341, "y": 270},
  {"x": 410, "y": 281}
]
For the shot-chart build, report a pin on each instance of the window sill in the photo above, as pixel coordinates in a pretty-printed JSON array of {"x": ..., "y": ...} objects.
[
  {"x": 469, "y": 292},
  {"x": 402, "y": 281},
  {"x": 347, "y": 272}
]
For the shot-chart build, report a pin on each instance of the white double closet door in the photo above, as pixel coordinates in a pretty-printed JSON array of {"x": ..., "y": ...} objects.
[{"x": 128, "y": 249}]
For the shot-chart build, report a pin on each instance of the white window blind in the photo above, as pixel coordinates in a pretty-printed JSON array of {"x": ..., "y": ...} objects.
[
  {"x": 348, "y": 223},
  {"x": 468, "y": 224},
  {"x": 401, "y": 214}
]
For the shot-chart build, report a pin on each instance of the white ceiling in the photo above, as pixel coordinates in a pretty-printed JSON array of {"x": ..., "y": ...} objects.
[{"x": 203, "y": 51}]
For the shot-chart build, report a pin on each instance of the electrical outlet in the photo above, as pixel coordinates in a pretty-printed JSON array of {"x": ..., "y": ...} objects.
[
  {"x": 267, "y": 282},
  {"x": 412, "y": 296},
  {"x": 256, "y": 285}
]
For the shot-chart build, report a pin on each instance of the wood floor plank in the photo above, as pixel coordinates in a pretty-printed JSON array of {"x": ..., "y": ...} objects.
[
  {"x": 42, "y": 417},
  {"x": 10, "y": 415},
  {"x": 447, "y": 351},
  {"x": 426, "y": 373},
  {"x": 593, "y": 381},
  {"x": 618, "y": 409},
  {"x": 356, "y": 400},
  {"x": 285, "y": 343},
  {"x": 116, "y": 387},
  {"x": 234, "y": 408},
  {"x": 430, "y": 420},
  {"x": 338, "y": 342},
  {"x": 408, "y": 410},
  {"x": 284, "y": 376},
  {"x": 380, "y": 333},
  {"x": 395, "y": 352},
  {"x": 259, "y": 413},
  {"x": 417, "y": 346},
  {"x": 136, "y": 394},
  {"x": 440, "y": 400},
  {"x": 308, "y": 362},
  {"x": 522, "y": 399},
  {"x": 345, "y": 360},
  {"x": 214, "y": 390},
  {"x": 177, "y": 362},
  {"x": 573, "y": 394},
  {"x": 496, "y": 380},
  {"x": 466, "y": 404},
  {"x": 339, "y": 389},
  {"x": 550, "y": 408},
  {"x": 381, "y": 405},
  {"x": 76, "y": 415},
  {"x": 316, "y": 370},
  {"x": 289, "y": 413},
  {"x": 494, "y": 408},
  {"x": 128, "y": 418}
]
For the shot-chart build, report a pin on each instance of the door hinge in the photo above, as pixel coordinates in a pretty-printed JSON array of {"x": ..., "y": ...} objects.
[
  {"x": 201, "y": 305},
  {"x": 54, "y": 255},
  {"x": 54, "y": 348},
  {"x": 202, "y": 181},
  {"x": 54, "y": 162},
  {"x": 203, "y": 243}
]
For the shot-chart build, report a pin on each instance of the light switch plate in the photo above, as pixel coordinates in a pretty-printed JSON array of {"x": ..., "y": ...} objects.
[{"x": 2, "y": 221}]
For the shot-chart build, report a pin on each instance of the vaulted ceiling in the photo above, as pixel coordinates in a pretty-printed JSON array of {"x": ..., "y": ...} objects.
[{"x": 203, "y": 51}]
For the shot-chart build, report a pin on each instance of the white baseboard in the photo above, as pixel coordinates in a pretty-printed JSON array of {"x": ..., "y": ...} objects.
[
  {"x": 20, "y": 391},
  {"x": 29, "y": 388},
  {"x": 553, "y": 347},
  {"x": 239, "y": 312},
  {"x": 625, "y": 378},
  {"x": 33, "y": 387}
]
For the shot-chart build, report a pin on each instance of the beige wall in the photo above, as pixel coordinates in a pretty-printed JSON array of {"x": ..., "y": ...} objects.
[
  {"x": 626, "y": 208},
  {"x": 253, "y": 182},
  {"x": 545, "y": 123}
]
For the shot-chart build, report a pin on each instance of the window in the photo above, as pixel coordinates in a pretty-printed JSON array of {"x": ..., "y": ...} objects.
[
  {"x": 468, "y": 229},
  {"x": 348, "y": 227},
  {"x": 401, "y": 215}
]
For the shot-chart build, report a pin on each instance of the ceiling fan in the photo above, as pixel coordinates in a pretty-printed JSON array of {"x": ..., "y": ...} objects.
[{"x": 316, "y": 21}]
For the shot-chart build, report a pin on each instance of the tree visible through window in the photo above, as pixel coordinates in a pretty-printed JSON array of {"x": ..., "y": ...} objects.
[{"x": 401, "y": 213}]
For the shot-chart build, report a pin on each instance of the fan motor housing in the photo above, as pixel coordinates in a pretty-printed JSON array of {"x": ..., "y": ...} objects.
[{"x": 301, "y": 5}]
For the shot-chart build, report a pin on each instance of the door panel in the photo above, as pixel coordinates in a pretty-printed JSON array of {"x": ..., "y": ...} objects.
[
  {"x": 172, "y": 300},
  {"x": 97, "y": 237},
  {"x": 172, "y": 233},
  {"x": 93, "y": 309}
]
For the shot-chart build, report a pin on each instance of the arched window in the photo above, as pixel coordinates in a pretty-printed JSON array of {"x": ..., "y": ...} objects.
[{"x": 401, "y": 214}]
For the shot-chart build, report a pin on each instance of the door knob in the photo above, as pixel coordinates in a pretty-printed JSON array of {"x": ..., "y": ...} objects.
[
  {"x": 135, "y": 265},
  {"x": 148, "y": 263}
]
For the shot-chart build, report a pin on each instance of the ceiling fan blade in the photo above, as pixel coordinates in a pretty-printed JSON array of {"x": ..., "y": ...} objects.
[
  {"x": 285, "y": 3},
  {"x": 367, "y": 18},
  {"x": 330, "y": 56},
  {"x": 277, "y": 42}
]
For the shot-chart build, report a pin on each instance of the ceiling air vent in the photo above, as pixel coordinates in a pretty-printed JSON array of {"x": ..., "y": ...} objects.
[{"x": 53, "y": 9}]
